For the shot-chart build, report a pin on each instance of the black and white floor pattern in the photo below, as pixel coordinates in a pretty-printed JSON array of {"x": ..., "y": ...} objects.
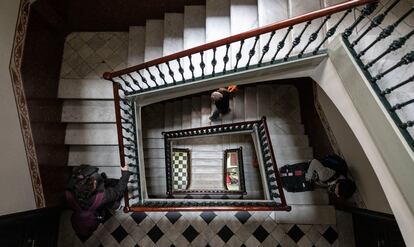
[{"x": 214, "y": 229}]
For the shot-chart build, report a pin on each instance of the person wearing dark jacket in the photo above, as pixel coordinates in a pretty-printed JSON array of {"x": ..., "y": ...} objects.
[
  {"x": 88, "y": 193},
  {"x": 221, "y": 99}
]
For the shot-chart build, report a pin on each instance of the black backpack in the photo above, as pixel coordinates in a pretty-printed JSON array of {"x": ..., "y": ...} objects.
[{"x": 293, "y": 177}]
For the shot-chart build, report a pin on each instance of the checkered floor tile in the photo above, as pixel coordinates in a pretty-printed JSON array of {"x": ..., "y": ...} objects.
[
  {"x": 199, "y": 229},
  {"x": 180, "y": 169}
]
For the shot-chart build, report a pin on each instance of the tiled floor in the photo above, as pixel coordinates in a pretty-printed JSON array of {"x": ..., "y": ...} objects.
[{"x": 200, "y": 229}]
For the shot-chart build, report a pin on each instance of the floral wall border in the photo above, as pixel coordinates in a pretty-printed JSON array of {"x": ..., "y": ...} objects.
[{"x": 21, "y": 103}]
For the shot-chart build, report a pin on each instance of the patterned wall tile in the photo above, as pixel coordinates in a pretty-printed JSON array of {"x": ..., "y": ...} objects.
[{"x": 90, "y": 54}]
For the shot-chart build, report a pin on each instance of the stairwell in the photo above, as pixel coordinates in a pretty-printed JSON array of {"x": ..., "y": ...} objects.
[{"x": 88, "y": 106}]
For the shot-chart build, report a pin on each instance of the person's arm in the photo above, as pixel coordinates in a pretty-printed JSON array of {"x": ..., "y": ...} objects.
[
  {"x": 318, "y": 171},
  {"x": 112, "y": 194}
]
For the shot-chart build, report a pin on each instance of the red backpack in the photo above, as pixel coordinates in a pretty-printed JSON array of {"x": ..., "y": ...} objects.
[{"x": 84, "y": 221}]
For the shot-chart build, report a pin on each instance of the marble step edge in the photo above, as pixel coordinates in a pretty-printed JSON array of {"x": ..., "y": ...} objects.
[
  {"x": 307, "y": 214},
  {"x": 88, "y": 111}
]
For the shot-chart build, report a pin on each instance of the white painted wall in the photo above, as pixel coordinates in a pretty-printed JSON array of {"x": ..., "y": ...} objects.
[
  {"x": 359, "y": 165},
  {"x": 15, "y": 184},
  {"x": 390, "y": 157}
]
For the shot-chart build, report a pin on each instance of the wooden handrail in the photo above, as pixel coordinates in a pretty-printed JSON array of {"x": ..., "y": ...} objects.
[
  {"x": 207, "y": 208},
  {"x": 245, "y": 35},
  {"x": 115, "y": 88}
]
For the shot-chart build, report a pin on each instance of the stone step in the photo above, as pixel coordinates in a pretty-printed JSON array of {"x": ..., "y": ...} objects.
[
  {"x": 186, "y": 113},
  {"x": 298, "y": 7},
  {"x": 94, "y": 155},
  {"x": 194, "y": 34},
  {"x": 284, "y": 104},
  {"x": 217, "y": 27},
  {"x": 201, "y": 147},
  {"x": 154, "y": 153},
  {"x": 250, "y": 104},
  {"x": 84, "y": 111},
  {"x": 177, "y": 117},
  {"x": 154, "y": 42},
  {"x": 91, "y": 134},
  {"x": 263, "y": 98},
  {"x": 280, "y": 141},
  {"x": 272, "y": 11},
  {"x": 154, "y": 162},
  {"x": 205, "y": 110},
  {"x": 244, "y": 17},
  {"x": 293, "y": 153},
  {"x": 211, "y": 196},
  {"x": 153, "y": 142},
  {"x": 136, "y": 45},
  {"x": 238, "y": 106},
  {"x": 276, "y": 128},
  {"x": 153, "y": 121},
  {"x": 307, "y": 214},
  {"x": 204, "y": 177},
  {"x": 206, "y": 155},
  {"x": 173, "y": 42},
  {"x": 316, "y": 197},
  {"x": 195, "y": 112},
  {"x": 348, "y": 21},
  {"x": 173, "y": 33},
  {"x": 85, "y": 89},
  {"x": 154, "y": 39},
  {"x": 169, "y": 116}
]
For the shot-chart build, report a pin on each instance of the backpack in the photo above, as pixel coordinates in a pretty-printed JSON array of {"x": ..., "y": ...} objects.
[
  {"x": 84, "y": 221},
  {"x": 293, "y": 177},
  {"x": 336, "y": 163}
]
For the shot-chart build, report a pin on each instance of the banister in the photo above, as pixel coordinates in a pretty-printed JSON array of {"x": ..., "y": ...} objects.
[{"x": 242, "y": 36}]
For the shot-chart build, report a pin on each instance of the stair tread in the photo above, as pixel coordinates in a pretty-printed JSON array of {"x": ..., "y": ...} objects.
[
  {"x": 217, "y": 15},
  {"x": 307, "y": 214},
  {"x": 173, "y": 42},
  {"x": 85, "y": 89},
  {"x": 205, "y": 110},
  {"x": 194, "y": 26},
  {"x": 271, "y": 11},
  {"x": 244, "y": 17},
  {"x": 194, "y": 34},
  {"x": 136, "y": 45},
  {"x": 88, "y": 111},
  {"x": 168, "y": 116},
  {"x": 298, "y": 7},
  {"x": 186, "y": 113},
  {"x": 173, "y": 33},
  {"x": 154, "y": 37},
  {"x": 91, "y": 134},
  {"x": 195, "y": 112},
  {"x": 284, "y": 104},
  {"x": 177, "y": 117},
  {"x": 93, "y": 155},
  {"x": 238, "y": 106},
  {"x": 316, "y": 197},
  {"x": 153, "y": 122},
  {"x": 250, "y": 103}
]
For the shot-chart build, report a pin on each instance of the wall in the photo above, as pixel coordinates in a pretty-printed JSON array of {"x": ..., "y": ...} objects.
[
  {"x": 15, "y": 183},
  {"x": 359, "y": 165},
  {"x": 40, "y": 71},
  {"x": 389, "y": 154}
]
